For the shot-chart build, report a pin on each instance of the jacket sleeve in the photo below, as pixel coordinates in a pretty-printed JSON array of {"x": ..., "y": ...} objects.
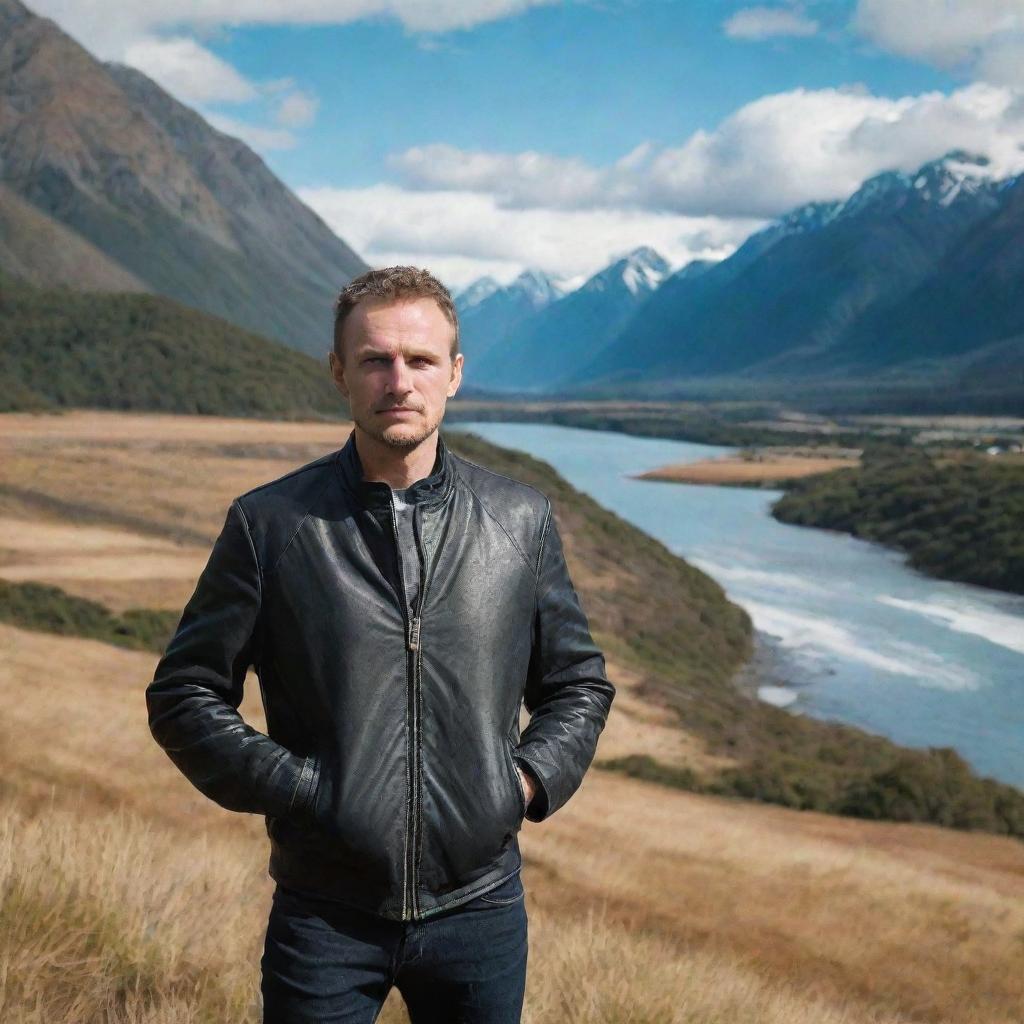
[
  {"x": 568, "y": 693},
  {"x": 197, "y": 687}
]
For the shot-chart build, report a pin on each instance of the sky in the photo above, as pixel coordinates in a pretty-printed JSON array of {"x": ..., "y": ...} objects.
[{"x": 482, "y": 137}]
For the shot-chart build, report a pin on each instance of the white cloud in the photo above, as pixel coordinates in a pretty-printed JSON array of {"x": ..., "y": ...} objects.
[
  {"x": 522, "y": 179},
  {"x": 256, "y": 136},
  {"x": 964, "y": 35},
  {"x": 1002, "y": 62},
  {"x": 790, "y": 148},
  {"x": 770, "y": 155},
  {"x": 137, "y": 35},
  {"x": 297, "y": 109},
  {"x": 108, "y": 27},
  {"x": 472, "y": 212},
  {"x": 198, "y": 77},
  {"x": 462, "y": 235},
  {"x": 188, "y": 71},
  {"x": 766, "y": 22}
]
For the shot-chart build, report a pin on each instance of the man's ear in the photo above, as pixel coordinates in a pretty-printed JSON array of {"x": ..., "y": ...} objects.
[
  {"x": 338, "y": 372},
  {"x": 456, "y": 379}
]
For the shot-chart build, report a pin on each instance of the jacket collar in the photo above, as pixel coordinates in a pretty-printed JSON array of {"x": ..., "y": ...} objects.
[{"x": 429, "y": 491}]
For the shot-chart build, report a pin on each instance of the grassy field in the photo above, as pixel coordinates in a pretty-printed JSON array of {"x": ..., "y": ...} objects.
[
  {"x": 125, "y": 896},
  {"x": 763, "y": 467}
]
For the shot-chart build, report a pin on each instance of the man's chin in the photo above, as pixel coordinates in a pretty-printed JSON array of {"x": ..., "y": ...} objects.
[
  {"x": 404, "y": 440},
  {"x": 399, "y": 435}
]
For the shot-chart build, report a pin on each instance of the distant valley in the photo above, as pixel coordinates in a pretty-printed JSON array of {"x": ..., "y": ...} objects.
[{"x": 908, "y": 294}]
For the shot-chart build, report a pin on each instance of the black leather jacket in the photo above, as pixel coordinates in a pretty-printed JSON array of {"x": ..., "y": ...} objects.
[{"x": 388, "y": 776}]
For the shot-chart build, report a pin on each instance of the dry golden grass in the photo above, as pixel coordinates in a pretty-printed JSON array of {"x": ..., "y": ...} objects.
[
  {"x": 731, "y": 469},
  {"x": 112, "y": 917},
  {"x": 125, "y": 896},
  {"x": 123, "y": 508}
]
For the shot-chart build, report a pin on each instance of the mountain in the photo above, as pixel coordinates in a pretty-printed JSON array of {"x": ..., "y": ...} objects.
[
  {"x": 40, "y": 250},
  {"x": 806, "y": 294},
  {"x": 548, "y": 346},
  {"x": 489, "y": 315},
  {"x": 186, "y": 210},
  {"x": 973, "y": 298},
  {"x": 472, "y": 294}
]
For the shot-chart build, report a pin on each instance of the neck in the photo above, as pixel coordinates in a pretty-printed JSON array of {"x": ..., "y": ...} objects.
[{"x": 397, "y": 467}]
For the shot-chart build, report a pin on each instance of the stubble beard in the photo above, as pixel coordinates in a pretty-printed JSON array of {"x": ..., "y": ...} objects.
[{"x": 389, "y": 434}]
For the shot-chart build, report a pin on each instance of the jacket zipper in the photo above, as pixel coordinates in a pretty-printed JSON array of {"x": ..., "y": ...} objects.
[
  {"x": 416, "y": 646},
  {"x": 406, "y": 911},
  {"x": 409, "y": 907}
]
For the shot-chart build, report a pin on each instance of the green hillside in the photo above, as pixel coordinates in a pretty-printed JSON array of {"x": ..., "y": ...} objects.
[
  {"x": 957, "y": 517},
  {"x": 61, "y": 348}
]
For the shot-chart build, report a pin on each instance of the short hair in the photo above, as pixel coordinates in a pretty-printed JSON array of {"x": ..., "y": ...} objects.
[{"x": 394, "y": 283}]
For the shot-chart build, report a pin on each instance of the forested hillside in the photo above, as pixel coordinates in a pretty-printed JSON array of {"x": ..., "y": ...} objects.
[
  {"x": 61, "y": 348},
  {"x": 958, "y": 516}
]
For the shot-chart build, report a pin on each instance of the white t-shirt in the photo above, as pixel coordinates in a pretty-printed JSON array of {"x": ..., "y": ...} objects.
[{"x": 400, "y": 495}]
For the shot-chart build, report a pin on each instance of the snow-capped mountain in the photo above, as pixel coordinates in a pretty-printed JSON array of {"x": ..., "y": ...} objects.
[
  {"x": 539, "y": 288},
  {"x": 955, "y": 178},
  {"x": 476, "y": 292},
  {"x": 549, "y": 345},
  {"x": 488, "y": 315},
  {"x": 820, "y": 287},
  {"x": 642, "y": 270}
]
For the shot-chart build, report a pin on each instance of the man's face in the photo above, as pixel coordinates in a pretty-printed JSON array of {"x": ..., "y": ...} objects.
[{"x": 397, "y": 354}]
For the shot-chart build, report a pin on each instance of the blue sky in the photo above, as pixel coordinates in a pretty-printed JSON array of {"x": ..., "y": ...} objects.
[
  {"x": 572, "y": 80},
  {"x": 484, "y": 136}
]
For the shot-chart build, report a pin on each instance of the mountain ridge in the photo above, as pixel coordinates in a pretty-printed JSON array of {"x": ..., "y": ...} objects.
[
  {"x": 808, "y": 294},
  {"x": 190, "y": 212}
]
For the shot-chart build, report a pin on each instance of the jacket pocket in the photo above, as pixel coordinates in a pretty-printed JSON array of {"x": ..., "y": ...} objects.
[{"x": 517, "y": 782}]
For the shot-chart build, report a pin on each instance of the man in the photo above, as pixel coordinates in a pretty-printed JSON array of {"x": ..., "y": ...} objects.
[{"x": 399, "y": 603}]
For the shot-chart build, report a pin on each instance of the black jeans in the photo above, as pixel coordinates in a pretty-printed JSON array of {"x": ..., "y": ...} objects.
[{"x": 327, "y": 963}]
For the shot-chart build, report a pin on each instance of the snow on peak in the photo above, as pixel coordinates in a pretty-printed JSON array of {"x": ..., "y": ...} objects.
[
  {"x": 538, "y": 287},
  {"x": 957, "y": 175},
  {"x": 874, "y": 190},
  {"x": 644, "y": 270},
  {"x": 809, "y": 217},
  {"x": 475, "y": 293},
  {"x": 640, "y": 270}
]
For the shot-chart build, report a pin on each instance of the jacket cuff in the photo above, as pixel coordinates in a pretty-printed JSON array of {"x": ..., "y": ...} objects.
[
  {"x": 289, "y": 788},
  {"x": 304, "y": 793},
  {"x": 537, "y": 809}
]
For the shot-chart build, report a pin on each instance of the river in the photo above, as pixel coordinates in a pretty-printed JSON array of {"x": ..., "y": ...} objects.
[{"x": 857, "y": 636}]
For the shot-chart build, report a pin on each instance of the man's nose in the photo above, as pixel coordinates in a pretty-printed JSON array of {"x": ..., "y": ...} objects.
[{"x": 400, "y": 379}]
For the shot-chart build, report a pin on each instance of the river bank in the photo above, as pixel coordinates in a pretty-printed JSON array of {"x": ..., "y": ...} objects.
[
  {"x": 864, "y": 638},
  {"x": 770, "y": 466}
]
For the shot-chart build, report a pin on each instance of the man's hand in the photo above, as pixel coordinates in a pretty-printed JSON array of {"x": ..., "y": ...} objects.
[{"x": 528, "y": 784}]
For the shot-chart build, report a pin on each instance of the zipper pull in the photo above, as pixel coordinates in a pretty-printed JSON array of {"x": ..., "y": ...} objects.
[{"x": 414, "y": 634}]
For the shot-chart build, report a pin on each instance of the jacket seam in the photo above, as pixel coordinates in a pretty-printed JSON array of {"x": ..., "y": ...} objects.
[
  {"x": 540, "y": 561},
  {"x": 543, "y": 542},
  {"x": 324, "y": 460},
  {"x": 299, "y": 525},
  {"x": 501, "y": 525},
  {"x": 502, "y": 476},
  {"x": 252, "y": 548}
]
